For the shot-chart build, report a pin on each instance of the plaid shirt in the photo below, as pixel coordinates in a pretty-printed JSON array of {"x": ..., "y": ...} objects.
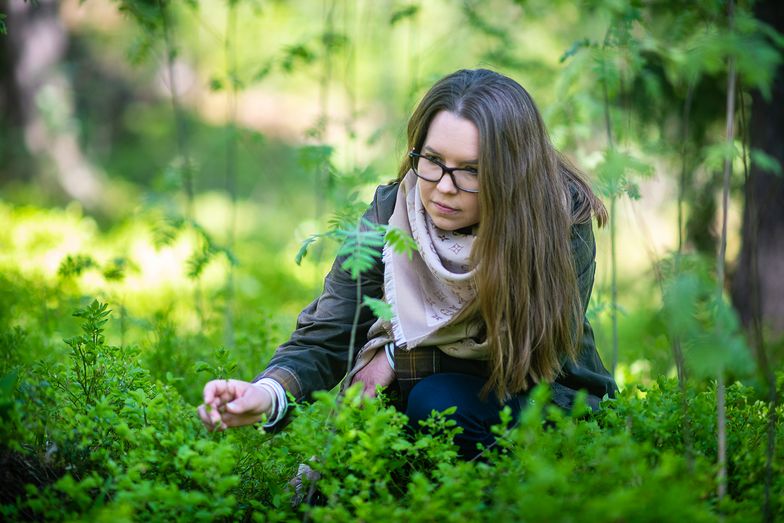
[{"x": 412, "y": 366}]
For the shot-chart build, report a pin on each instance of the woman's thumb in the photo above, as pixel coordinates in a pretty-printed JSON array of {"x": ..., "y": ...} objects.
[
  {"x": 239, "y": 405},
  {"x": 249, "y": 402}
]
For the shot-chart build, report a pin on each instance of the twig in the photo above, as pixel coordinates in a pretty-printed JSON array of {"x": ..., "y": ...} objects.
[
  {"x": 677, "y": 350},
  {"x": 613, "y": 219},
  {"x": 182, "y": 139},
  {"x": 720, "y": 387},
  {"x": 182, "y": 148},
  {"x": 352, "y": 341},
  {"x": 231, "y": 162}
]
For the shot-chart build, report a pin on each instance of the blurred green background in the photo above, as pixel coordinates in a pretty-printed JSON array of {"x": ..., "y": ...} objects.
[{"x": 170, "y": 157}]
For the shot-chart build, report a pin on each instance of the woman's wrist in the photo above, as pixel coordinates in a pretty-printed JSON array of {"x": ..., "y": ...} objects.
[
  {"x": 266, "y": 387},
  {"x": 278, "y": 400}
]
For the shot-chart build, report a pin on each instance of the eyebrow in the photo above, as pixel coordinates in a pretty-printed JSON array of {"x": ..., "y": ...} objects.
[{"x": 469, "y": 162}]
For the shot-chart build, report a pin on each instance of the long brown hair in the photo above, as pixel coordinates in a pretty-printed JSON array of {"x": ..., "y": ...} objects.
[{"x": 529, "y": 197}]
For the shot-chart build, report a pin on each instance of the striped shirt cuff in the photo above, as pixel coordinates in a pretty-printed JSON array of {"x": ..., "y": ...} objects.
[
  {"x": 389, "y": 348},
  {"x": 280, "y": 403}
]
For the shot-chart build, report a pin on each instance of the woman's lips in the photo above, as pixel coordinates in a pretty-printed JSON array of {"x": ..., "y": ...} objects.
[{"x": 444, "y": 209}]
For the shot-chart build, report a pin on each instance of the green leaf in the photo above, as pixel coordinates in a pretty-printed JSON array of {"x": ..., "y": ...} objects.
[
  {"x": 404, "y": 12},
  {"x": 297, "y": 54},
  {"x": 140, "y": 48},
  {"x": 357, "y": 263},
  {"x": 379, "y": 308},
  {"x": 171, "y": 378},
  {"x": 361, "y": 248},
  {"x": 347, "y": 216},
  {"x": 770, "y": 32},
  {"x": 574, "y": 49},
  {"x": 716, "y": 154},
  {"x": 303, "y": 248},
  {"x": 115, "y": 270},
  {"x": 7, "y": 388},
  {"x": 400, "y": 241},
  {"x": 75, "y": 265},
  {"x": 216, "y": 84},
  {"x": 680, "y": 298},
  {"x": 202, "y": 366},
  {"x": 262, "y": 72},
  {"x": 632, "y": 190},
  {"x": 614, "y": 171},
  {"x": 334, "y": 41},
  {"x": 165, "y": 231},
  {"x": 314, "y": 157},
  {"x": 766, "y": 162},
  {"x": 198, "y": 261}
]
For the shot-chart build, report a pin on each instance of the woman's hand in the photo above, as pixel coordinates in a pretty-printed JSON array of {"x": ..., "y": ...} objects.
[
  {"x": 232, "y": 403},
  {"x": 377, "y": 372}
]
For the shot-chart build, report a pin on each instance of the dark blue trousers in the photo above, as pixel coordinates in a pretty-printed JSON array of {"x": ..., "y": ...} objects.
[{"x": 475, "y": 415}]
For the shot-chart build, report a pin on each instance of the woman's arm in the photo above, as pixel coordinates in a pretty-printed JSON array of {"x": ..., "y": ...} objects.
[
  {"x": 584, "y": 254},
  {"x": 316, "y": 355}
]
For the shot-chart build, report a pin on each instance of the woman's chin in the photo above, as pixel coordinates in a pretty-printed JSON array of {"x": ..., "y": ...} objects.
[{"x": 446, "y": 224}]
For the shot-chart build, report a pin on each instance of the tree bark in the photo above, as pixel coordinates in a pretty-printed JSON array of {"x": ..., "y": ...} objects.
[
  {"x": 763, "y": 214},
  {"x": 37, "y": 98}
]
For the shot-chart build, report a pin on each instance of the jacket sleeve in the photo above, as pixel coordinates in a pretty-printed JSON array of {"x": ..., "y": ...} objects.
[
  {"x": 584, "y": 253},
  {"x": 316, "y": 355}
]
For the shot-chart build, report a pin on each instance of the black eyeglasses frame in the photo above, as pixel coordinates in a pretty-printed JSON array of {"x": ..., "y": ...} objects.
[{"x": 444, "y": 171}]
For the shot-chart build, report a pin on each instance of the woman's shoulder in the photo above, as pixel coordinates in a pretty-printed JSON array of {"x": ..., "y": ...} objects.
[
  {"x": 577, "y": 195},
  {"x": 384, "y": 201},
  {"x": 585, "y": 205}
]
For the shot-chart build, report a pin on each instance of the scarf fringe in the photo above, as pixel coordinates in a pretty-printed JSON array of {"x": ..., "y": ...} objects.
[
  {"x": 391, "y": 297},
  {"x": 428, "y": 291}
]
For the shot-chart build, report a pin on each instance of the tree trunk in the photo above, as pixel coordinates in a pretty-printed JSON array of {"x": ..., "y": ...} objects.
[
  {"x": 763, "y": 214},
  {"x": 15, "y": 163},
  {"x": 37, "y": 98}
]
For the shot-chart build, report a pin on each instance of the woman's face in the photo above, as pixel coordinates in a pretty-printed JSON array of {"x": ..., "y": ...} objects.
[{"x": 454, "y": 141}]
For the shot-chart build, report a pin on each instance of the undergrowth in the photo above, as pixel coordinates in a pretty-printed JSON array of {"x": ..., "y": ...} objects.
[{"x": 93, "y": 436}]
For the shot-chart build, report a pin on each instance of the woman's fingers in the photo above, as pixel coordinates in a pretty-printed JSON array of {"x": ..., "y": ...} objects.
[
  {"x": 370, "y": 390},
  {"x": 210, "y": 418},
  {"x": 238, "y": 420},
  {"x": 248, "y": 403},
  {"x": 215, "y": 390},
  {"x": 214, "y": 420},
  {"x": 251, "y": 402},
  {"x": 219, "y": 392},
  {"x": 216, "y": 394},
  {"x": 232, "y": 403},
  {"x": 209, "y": 392},
  {"x": 376, "y": 372},
  {"x": 229, "y": 393}
]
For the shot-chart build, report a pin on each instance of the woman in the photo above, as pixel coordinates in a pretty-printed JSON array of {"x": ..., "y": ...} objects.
[{"x": 493, "y": 300}]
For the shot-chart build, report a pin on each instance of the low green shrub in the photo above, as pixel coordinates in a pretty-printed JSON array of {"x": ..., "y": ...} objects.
[{"x": 95, "y": 437}]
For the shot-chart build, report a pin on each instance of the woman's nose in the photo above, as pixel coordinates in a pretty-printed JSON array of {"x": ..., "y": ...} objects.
[{"x": 446, "y": 185}]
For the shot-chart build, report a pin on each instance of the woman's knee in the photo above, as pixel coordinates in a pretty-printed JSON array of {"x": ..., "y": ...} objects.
[{"x": 439, "y": 392}]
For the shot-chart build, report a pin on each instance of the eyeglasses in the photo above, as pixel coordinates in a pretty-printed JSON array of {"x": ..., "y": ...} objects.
[{"x": 431, "y": 170}]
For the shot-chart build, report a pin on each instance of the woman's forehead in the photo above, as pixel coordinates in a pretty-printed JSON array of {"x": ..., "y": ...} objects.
[{"x": 452, "y": 135}]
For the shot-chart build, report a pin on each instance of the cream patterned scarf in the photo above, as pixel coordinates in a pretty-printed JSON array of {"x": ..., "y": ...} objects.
[{"x": 427, "y": 291}]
